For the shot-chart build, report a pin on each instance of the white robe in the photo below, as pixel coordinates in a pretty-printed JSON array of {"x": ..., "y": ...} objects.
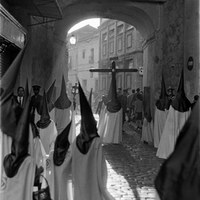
[
  {"x": 147, "y": 131},
  {"x": 5, "y": 149},
  {"x": 110, "y": 129},
  {"x": 63, "y": 189},
  {"x": 20, "y": 187},
  {"x": 102, "y": 121},
  {"x": 159, "y": 123},
  {"x": 89, "y": 173},
  {"x": 62, "y": 117},
  {"x": 48, "y": 136},
  {"x": 39, "y": 155},
  {"x": 173, "y": 125}
]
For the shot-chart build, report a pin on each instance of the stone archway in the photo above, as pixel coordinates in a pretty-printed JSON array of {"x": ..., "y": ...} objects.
[{"x": 135, "y": 15}]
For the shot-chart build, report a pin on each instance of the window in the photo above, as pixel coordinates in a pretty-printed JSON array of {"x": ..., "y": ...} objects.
[
  {"x": 91, "y": 58},
  {"x": 131, "y": 65},
  {"x": 104, "y": 50},
  {"x": 104, "y": 37},
  {"x": 120, "y": 29},
  {"x": 111, "y": 47},
  {"x": 129, "y": 40},
  {"x": 111, "y": 33},
  {"x": 83, "y": 54},
  {"x": 119, "y": 44}
]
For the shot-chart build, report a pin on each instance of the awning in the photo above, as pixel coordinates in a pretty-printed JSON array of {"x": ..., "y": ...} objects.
[{"x": 40, "y": 8}]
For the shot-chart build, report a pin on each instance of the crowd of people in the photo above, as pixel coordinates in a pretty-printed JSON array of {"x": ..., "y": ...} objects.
[{"x": 132, "y": 102}]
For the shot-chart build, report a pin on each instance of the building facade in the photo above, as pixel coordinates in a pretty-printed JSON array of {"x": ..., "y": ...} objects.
[
  {"x": 82, "y": 56},
  {"x": 123, "y": 43}
]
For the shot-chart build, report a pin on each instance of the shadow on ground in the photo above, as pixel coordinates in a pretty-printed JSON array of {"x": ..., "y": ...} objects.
[{"x": 136, "y": 162}]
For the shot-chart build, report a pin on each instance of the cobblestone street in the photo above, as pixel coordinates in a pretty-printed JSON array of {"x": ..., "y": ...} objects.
[{"x": 132, "y": 167}]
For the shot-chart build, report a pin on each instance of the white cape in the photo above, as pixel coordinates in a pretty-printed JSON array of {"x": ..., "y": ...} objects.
[
  {"x": 48, "y": 136},
  {"x": 173, "y": 125},
  {"x": 89, "y": 173},
  {"x": 63, "y": 189},
  {"x": 20, "y": 187},
  {"x": 5, "y": 149},
  {"x": 110, "y": 127},
  {"x": 159, "y": 123},
  {"x": 102, "y": 121},
  {"x": 62, "y": 117},
  {"x": 147, "y": 131}
]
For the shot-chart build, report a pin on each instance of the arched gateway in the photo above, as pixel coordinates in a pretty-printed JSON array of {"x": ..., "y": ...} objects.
[{"x": 168, "y": 27}]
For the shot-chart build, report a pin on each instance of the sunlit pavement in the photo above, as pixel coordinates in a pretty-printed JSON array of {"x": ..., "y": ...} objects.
[{"x": 132, "y": 167}]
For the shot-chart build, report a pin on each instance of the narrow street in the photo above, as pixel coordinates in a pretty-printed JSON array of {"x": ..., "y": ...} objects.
[{"x": 132, "y": 166}]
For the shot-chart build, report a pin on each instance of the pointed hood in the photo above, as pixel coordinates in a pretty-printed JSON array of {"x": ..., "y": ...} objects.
[
  {"x": 45, "y": 117},
  {"x": 181, "y": 102},
  {"x": 63, "y": 101},
  {"x": 61, "y": 146},
  {"x": 20, "y": 143},
  {"x": 8, "y": 121},
  {"x": 88, "y": 130},
  {"x": 179, "y": 176},
  {"x": 163, "y": 102},
  {"x": 90, "y": 97},
  {"x": 50, "y": 93},
  {"x": 113, "y": 104},
  {"x": 9, "y": 78}
]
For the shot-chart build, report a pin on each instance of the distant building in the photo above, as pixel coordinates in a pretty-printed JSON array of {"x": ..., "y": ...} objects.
[
  {"x": 82, "y": 56},
  {"x": 121, "y": 40}
]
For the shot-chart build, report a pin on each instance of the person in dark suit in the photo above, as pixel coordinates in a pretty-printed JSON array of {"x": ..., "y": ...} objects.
[
  {"x": 36, "y": 101},
  {"x": 19, "y": 98},
  {"x": 19, "y": 101}
]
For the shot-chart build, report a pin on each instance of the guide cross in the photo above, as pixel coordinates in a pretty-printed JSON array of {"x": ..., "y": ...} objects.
[{"x": 113, "y": 70}]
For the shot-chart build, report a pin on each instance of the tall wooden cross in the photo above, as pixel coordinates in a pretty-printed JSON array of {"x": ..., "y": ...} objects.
[{"x": 113, "y": 70}]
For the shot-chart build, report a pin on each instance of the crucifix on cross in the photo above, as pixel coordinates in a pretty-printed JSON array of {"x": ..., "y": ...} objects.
[{"x": 113, "y": 70}]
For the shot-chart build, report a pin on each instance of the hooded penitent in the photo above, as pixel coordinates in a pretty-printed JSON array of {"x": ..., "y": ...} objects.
[
  {"x": 179, "y": 176},
  {"x": 88, "y": 129},
  {"x": 63, "y": 101},
  {"x": 181, "y": 103},
  {"x": 163, "y": 102},
  {"x": 8, "y": 120},
  {"x": 61, "y": 146},
  {"x": 50, "y": 96},
  {"x": 19, "y": 149},
  {"x": 45, "y": 117},
  {"x": 113, "y": 104}
]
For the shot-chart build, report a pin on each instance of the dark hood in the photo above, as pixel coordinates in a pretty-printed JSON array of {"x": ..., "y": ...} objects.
[
  {"x": 63, "y": 101},
  {"x": 181, "y": 102},
  {"x": 88, "y": 129},
  {"x": 163, "y": 102},
  {"x": 61, "y": 146}
]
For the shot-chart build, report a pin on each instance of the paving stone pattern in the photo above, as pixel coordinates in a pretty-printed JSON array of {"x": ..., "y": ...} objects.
[{"x": 132, "y": 167}]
